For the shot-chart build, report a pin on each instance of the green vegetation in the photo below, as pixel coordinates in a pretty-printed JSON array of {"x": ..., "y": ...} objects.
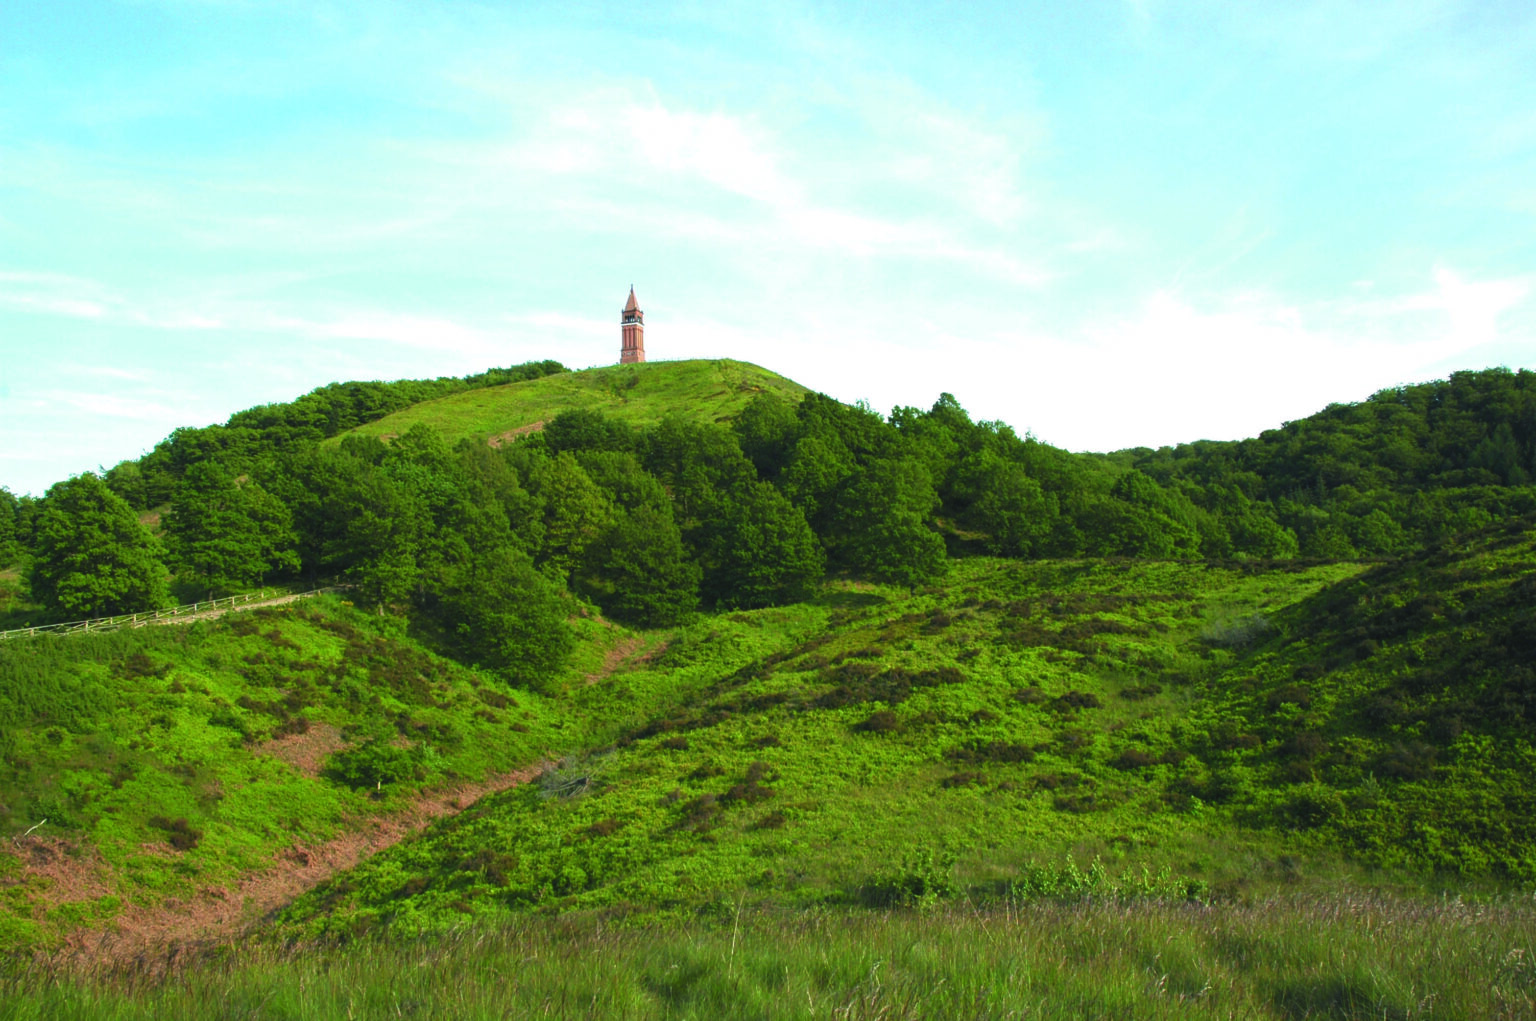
[
  {"x": 701, "y": 391},
  {"x": 1331, "y": 956},
  {"x": 787, "y": 664},
  {"x": 91, "y": 557},
  {"x": 191, "y": 754}
]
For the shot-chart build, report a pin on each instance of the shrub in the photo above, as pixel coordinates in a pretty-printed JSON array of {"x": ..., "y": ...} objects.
[
  {"x": 1296, "y": 694},
  {"x": 1134, "y": 758},
  {"x": 880, "y": 722},
  {"x": 1306, "y": 744},
  {"x": 921, "y": 879},
  {"x": 374, "y": 764},
  {"x": 1409, "y": 760},
  {"x": 1075, "y": 700},
  {"x": 992, "y": 751},
  {"x": 1312, "y": 806},
  {"x": 178, "y": 832}
]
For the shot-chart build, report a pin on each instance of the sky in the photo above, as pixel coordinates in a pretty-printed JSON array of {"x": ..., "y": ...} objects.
[{"x": 1127, "y": 223}]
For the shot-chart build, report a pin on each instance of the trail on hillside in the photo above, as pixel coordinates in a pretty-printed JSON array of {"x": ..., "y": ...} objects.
[
  {"x": 213, "y": 613},
  {"x": 154, "y": 937},
  {"x": 615, "y": 658}
]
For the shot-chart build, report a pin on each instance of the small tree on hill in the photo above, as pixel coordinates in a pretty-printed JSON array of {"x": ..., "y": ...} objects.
[
  {"x": 638, "y": 571},
  {"x": 509, "y": 618},
  {"x": 227, "y": 533},
  {"x": 93, "y": 558},
  {"x": 884, "y": 524}
]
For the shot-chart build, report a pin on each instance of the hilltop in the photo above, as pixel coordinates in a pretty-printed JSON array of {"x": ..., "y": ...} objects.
[{"x": 710, "y": 391}]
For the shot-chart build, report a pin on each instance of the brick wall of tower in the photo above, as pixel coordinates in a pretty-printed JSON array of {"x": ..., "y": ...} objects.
[{"x": 632, "y": 348}]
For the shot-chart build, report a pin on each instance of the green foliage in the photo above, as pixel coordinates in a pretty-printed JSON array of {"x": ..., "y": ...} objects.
[
  {"x": 921, "y": 880},
  {"x": 576, "y": 511},
  {"x": 187, "y": 738},
  {"x": 758, "y": 550},
  {"x": 1220, "y": 721},
  {"x": 93, "y": 558},
  {"x": 884, "y": 524},
  {"x": 508, "y": 618},
  {"x": 375, "y": 763},
  {"x": 10, "y": 546},
  {"x": 227, "y": 534},
  {"x": 1005, "y": 503},
  {"x": 638, "y": 571}
]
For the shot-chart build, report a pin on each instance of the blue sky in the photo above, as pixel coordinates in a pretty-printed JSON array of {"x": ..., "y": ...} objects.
[{"x": 1111, "y": 224}]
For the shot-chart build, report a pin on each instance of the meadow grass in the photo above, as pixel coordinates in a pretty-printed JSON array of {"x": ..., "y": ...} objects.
[
  {"x": 701, "y": 390},
  {"x": 1301, "y": 956}
]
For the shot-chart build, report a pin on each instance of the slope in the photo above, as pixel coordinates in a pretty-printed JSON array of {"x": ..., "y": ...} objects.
[
  {"x": 877, "y": 748},
  {"x": 144, "y": 767},
  {"x": 699, "y": 390}
]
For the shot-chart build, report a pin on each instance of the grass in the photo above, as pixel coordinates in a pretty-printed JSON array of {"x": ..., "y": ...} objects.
[
  {"x": 791, "y": 756},
  {"x": 1313, "y": 956},
  {"x": 703, "y": 390}
]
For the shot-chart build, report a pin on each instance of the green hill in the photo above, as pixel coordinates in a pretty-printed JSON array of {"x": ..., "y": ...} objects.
[
  {"x": 700, "y": 390},
  {"x": 1223, "y": 728}
]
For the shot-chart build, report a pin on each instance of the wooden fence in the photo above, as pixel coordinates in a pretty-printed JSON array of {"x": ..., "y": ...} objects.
[{"x": 176, "y": 615}]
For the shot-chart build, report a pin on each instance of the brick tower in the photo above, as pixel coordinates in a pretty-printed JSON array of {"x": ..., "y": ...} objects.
[{"x": 632, "y": 347}]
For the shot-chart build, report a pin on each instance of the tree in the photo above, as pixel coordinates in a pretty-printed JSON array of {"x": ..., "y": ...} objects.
[
  {"x": 10, "y": 548},
  {"x": 758, "y": 549},
  {"x": 884, "y": 523},
  {"x": 1006, "y": 503},
  {"x": 576, "y": 511},
  {"x": 508, "y": 618},
  {"x": 226, "y": 533},
  {"x": 638, "y": 572},
  {"x": 766, "y": 429},
  {"x": 92, "y": 557},
  {"x": 620, "y": 475},
  {"x": 584, "y": 429},
  {"x": 817, "y": 466}
]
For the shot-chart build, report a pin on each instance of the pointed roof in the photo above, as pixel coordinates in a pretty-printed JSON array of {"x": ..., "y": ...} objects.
[{"x": 633, "y": 305}]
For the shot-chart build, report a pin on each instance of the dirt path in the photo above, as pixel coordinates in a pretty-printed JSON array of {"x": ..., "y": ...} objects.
[
  {"x": 615, "y": 658},
  {"x": 155, "y": 936},
  {"x": 210, "y": 614}
]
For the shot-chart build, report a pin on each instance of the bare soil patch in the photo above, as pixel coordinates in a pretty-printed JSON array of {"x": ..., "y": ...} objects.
[
  {"x": 616, "y": 657},
  {"x": 502, "y": 439},
  {"x": 305, "y": 752}
]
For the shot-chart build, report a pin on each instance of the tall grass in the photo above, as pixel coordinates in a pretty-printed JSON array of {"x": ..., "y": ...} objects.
[{"x": 1297, "y": 957}]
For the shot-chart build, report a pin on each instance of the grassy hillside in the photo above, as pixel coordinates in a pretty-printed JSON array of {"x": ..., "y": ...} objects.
[
  {"x": 1200, "y": 730},
  {"x": 699, "y": 390},
  {"x": 170, "y": 759}
]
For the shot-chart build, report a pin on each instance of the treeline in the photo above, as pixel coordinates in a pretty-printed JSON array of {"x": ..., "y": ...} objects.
[
  {"x": 1394, "y": 473},
  {"x": 483, "y": 545},
  {"x": 320, "y": 414}
]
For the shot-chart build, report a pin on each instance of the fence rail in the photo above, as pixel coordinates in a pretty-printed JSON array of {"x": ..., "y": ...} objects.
[{"x": 175, "y": 615}]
